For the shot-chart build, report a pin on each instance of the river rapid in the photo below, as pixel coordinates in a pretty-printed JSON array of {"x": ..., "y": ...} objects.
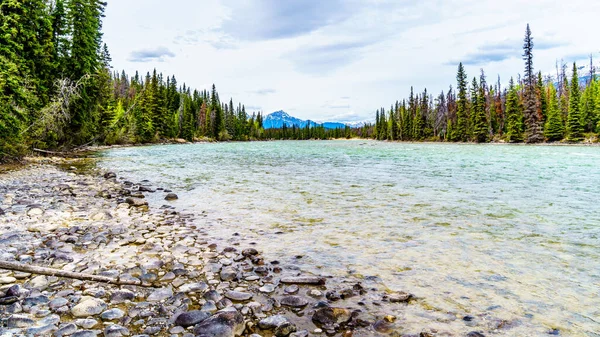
[{"x": 485, "y": 233}]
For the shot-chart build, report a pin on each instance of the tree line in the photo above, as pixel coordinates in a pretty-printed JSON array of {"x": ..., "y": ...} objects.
[{"x": 532, "y": 109}]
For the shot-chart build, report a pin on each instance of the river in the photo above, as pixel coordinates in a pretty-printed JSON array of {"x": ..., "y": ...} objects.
[{"x": 494, "y": 232}]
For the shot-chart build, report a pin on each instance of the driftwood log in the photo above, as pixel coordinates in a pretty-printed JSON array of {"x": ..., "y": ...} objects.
[{"x": 68, "y": 274}]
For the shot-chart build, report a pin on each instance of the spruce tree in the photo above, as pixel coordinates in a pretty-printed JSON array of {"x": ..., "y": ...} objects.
[
  {"x": 514, "y": 115},
  {"x": 480, "y": 125},
  {"x": 574, "y": 125},
  {"x": 553, "y": 130},
  {"x": 462, "y": 122},
  {"x": 533, "y": 131}
]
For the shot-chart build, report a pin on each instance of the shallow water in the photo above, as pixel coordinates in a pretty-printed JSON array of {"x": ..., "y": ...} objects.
[{"x": 498, "y": 232}]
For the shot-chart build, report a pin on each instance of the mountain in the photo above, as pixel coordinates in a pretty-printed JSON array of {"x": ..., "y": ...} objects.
[{"x": 277, "y": 119}]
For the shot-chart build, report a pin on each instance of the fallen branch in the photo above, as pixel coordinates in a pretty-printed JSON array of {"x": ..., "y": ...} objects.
[
  {"x": 54, "y": 153},
  {"x": 68, "y": 274}
]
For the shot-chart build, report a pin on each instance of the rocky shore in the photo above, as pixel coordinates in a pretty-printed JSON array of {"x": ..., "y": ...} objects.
[{"x": 189, "y": 283}]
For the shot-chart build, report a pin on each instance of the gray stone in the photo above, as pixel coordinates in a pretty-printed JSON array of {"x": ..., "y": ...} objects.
[
  {"x": 44, "y": 330},
  {"x": 294, "y": 301},
  {"x": 301, "y": 333},
  {"x": 292, "y": 289},
  {"x": 400, "y": 296},
  {"x": 272, "y": 322},
  {"x": 238, "y": 296},
  {"x": 329, "y": 316},
  {"x": 228, "y": 274},
  {"x": 66, "y": 330},
  {"x": 86, "y": 323},
  {"x": 193, "y": 287},
  {"x": 57, "y": 303},
  {"x": 160, "y": 295},
  {"x": 19, "y": 321},
  {"x": 267, "y": 288},
  {"x": 136, "y": 202},
  {"x": 89, "y": 307},
  {"x": 112, "y": 314},
  {"x": 115, "y": 331},
  {"x": 191, "y": 318},
  {"x": 171, "y": 197},
  {"x": 121, "y": 296},
  {"x": 225, "y": 323}
]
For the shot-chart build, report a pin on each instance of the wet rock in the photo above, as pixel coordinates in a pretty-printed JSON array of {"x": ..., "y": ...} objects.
[
  {"x": 19, "y": 321},
  {"x": 294, "y": 301},
  {"x": 225, "y": 323},
  {"x": 112, "y": 314},
  {"x": 146, "y": 189},
  {"x": 272, "y": 322},
  {"x": 329, "y": 316},
  {"x": 136, "y": 202},
  {"x": 400, "y": 296},
  {"x": 191, "y": 318},
  {"x": 171, "y": 197},
  {"x": 383, "y": 326},
  {"x": 249, "y": 252},
  {"x": 285, "y": 329},
  {"x": 110, "y": 175},
  {"x": 238, "y": 296},
  {"x": 88, "y": 307},
  {"x": 160, "y": 295},
  {"x": 311, "y": 280}
]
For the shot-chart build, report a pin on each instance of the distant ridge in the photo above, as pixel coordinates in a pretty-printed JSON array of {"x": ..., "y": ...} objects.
[{"x": 277, "y": 119}]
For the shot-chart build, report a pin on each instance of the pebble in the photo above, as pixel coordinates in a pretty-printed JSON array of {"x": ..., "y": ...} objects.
[
  {"x": 294, "y": 301},
  {"x": 7, "y": 280},
  {"x": 311, "y": 280},
  {"x": 171, "y": 197},
  {"x": 267, "y": 288},
  {"x": 225, "y": 323},
  {"x": 88, "y": 307},
  {"x": 238, "y": 296},
  {"x": 160, "y": 295},
  {"x": 191, "y": 318},
  {"x": 112, "y": 314}
]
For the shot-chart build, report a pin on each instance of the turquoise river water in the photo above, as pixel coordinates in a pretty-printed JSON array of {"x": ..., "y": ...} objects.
[{"x": 498, "y": 232}]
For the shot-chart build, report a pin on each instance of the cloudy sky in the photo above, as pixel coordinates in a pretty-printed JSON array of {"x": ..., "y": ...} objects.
[{"x": 341, "y": 59}]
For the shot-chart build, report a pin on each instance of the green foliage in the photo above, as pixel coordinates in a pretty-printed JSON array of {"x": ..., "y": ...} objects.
[
  {"x": 462, "y": 127},
  {"x": 554, "y": 129},
  {"x": 574, "y": 122},
  {"x": 514, "y": 113}
]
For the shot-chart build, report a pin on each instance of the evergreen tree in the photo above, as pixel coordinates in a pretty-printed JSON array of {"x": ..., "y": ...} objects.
[
  {"x": 462, "y": 126},
  {"x": 514, "y": 129},
  {"x": 533, "y": 132},
  {"x": 574, "y": 125},
  {"x": 553, "y": 130},
  {"x": 480, "y": 126}
]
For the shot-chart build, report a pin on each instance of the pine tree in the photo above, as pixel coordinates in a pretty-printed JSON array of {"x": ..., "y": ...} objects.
[
  {"x": 462, "y": 126},
  {"x": 553, "y": 130},
  {"x": 533, "y": 132},
  {"x": 574, "y": 126},
  {"x": 480, "y": 125},
  {"x": 514, "y": 129}
]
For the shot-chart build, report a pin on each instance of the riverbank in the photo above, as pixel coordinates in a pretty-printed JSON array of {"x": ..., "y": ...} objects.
[{"x": 95, "y": 223}]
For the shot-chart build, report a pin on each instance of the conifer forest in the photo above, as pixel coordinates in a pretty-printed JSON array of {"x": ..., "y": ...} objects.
[{"x": 58, "y": 91}]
